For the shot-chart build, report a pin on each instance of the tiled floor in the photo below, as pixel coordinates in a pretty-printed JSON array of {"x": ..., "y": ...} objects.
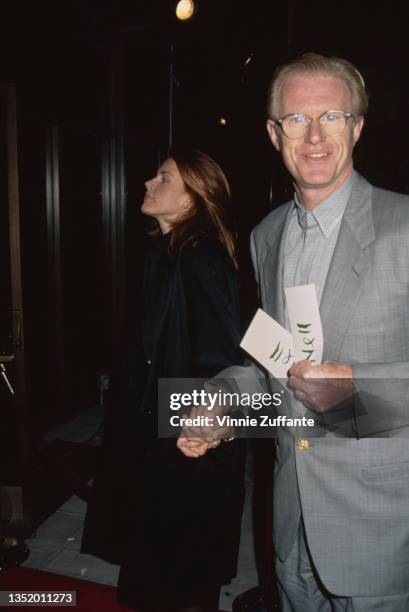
[{"x": 56, "y": 545}]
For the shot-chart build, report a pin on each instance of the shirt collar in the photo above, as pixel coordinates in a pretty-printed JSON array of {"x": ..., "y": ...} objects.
[{"x": 329, "y": 212}]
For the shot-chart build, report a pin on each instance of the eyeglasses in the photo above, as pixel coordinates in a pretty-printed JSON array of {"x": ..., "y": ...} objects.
[{"x": 296, "y": 125}]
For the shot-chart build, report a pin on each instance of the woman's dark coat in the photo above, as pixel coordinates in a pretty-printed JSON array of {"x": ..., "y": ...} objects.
[{"x": 173, "y": 523}]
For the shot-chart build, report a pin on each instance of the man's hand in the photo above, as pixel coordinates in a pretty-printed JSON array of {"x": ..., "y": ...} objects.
[{"x": 321, "y": 387}]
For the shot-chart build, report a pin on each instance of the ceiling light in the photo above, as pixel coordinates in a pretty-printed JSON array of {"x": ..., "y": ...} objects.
[{"x": 186, "y": 9}]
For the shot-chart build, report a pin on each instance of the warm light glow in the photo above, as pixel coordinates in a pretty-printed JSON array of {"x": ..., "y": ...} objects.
[
  {"x": 248, "y": 60},
  {"x": 222, "y": 121},
  {"x": 185, "y": 9}
]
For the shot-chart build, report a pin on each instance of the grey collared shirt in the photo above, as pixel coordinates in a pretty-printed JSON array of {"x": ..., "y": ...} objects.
[
  {"x": 309, "y": 246},
  {"x": 311, "y": 238}
]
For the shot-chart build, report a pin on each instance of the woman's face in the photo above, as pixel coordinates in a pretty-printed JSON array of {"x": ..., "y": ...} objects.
[{"x": 166, "y": 196}]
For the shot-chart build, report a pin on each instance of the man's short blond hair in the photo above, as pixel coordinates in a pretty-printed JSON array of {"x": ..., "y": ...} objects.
[{"x": 314, "y": 64}]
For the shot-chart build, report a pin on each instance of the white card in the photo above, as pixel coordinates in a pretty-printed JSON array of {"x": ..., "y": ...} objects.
[
  {"x": 270, "y": 344},
  {"x": 305, "y": 321}
]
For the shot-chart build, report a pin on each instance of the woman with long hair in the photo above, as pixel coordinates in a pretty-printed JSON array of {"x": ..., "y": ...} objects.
[{"x": 181, "y": 517}]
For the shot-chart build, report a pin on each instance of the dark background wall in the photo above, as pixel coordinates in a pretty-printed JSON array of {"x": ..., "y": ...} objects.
[{"x": 92, "y": 85}]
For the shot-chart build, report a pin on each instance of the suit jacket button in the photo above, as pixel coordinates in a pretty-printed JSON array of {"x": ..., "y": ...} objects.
[{"x": 303, "y": 444}]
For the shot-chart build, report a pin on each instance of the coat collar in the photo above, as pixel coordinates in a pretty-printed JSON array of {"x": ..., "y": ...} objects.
[
  {"x": 273, "y": 265},
  {"x": 349, "y": 263}
]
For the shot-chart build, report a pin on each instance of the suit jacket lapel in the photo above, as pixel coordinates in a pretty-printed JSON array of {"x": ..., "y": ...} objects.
[
  {"x": 273, "y": 299},
  {"x": 349, "y": 263}
]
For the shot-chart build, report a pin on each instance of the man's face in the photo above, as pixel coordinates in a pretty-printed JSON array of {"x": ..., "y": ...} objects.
[{"x": 317, "y": 160}]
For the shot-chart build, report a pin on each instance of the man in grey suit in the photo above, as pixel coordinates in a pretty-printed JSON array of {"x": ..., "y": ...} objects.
[{"x": 341, "y": 506}]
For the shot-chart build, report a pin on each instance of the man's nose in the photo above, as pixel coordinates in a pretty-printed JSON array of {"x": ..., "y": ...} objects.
[
  {"x": 149, "y": 184},
  {"x": 315, "y": 132}
]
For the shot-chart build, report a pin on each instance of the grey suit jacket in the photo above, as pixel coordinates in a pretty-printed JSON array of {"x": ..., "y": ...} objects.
[{"x": 353, "y": 494}]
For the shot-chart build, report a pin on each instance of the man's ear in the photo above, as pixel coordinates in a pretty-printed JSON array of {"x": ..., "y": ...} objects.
[
  {"x": 272, "y": 132},
  {"x": 357, "y": 129}
]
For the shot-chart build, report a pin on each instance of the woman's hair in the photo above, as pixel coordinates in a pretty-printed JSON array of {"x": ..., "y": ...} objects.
[
  {"x": 207, "y": 186},
  {"x": 313, "y": 64}
]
